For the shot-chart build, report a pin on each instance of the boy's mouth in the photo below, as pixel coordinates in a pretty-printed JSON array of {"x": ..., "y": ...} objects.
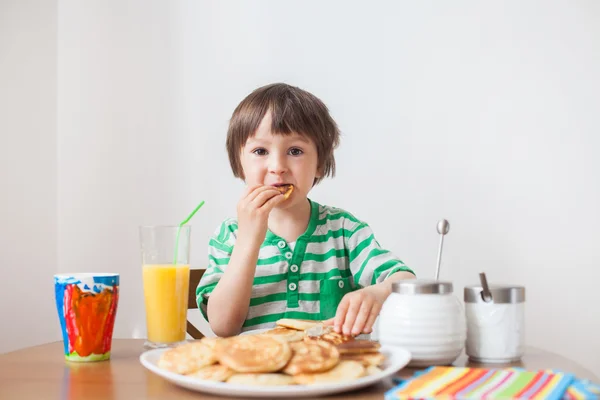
[{"x": 285, "y": 188}]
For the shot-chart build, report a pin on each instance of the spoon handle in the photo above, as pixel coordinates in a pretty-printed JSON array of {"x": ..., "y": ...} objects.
[
  {"x": 443, "y": 227},
  {"x": 439, "y": 258},
  {"x": 486, "y": 294}
]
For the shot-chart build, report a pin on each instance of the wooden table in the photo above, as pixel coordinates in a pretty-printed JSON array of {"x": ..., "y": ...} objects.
[{"x": 41, "y": 372}]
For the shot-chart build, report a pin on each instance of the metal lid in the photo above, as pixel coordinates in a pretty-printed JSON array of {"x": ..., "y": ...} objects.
[
  {"x": 501, "y": 294},
  {"x": 422, "y": 286}
]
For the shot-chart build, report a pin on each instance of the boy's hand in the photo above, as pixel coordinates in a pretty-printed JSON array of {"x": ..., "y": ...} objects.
[
  {"x": 357, "y": 311},
  {"x": 253, "y": 211}
]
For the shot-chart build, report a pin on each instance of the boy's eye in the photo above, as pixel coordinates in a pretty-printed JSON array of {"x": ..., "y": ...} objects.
[
  {"x": 259, "y": 152},
  {"x": 295, "y": 151}
]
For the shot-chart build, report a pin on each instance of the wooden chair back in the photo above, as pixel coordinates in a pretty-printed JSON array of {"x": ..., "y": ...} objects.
[{"x": 195, "y": 275}]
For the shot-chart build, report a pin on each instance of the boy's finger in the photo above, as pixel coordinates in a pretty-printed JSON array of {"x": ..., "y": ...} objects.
[
  {"x": 328, "y": 322},
  {"x": 252, "y": 194},
  {"x": 361, "y": 318},
  {"x": 262, "y": 195},
  {"x": 372, "y": 317},
  {"x": 351, "y": 317},
  {"x": 249, "y": 189},
  {"x": 257, "y": 190},
  {"x": 340, "y": 314},
  {"x": 272, "y": 202}
]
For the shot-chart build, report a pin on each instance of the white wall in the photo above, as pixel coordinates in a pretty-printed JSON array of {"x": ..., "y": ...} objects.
[
  {"x": 481, "y": 113},
  {"x": 27, "y": 173}
]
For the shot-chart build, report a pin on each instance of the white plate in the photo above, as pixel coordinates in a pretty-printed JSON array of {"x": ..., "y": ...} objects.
[{"x": 396, "y": 359}]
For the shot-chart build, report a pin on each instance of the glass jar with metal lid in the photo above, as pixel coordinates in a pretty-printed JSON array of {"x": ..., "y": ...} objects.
[
  {"x": 495, "y": 323},
  {"x": 425, "y": 318}
]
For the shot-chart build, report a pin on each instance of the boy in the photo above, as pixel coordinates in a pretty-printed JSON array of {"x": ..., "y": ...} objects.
[{"x": 289, "y": 257}]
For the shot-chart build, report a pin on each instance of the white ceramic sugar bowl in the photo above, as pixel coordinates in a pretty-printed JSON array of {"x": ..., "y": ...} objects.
[
  {"x": 425, "y": 318},
  {"x": 495, "y": 323}
]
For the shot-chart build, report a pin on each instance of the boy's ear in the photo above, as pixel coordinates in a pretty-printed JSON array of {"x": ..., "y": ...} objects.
[{"x": 319, "y": 173}]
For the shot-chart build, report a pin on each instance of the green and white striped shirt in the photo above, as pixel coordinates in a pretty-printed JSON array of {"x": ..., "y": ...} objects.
[{"x": 336, "y": 255}]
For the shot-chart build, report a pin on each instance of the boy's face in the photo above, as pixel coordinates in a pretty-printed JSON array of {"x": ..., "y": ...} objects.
[{"x": 269, "y": 159}]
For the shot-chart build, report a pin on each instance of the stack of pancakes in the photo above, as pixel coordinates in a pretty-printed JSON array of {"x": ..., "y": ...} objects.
[{"x": 295, "y": 352}]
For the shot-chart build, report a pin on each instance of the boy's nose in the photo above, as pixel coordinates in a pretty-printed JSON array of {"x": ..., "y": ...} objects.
[{"x": 277, "y": 166}]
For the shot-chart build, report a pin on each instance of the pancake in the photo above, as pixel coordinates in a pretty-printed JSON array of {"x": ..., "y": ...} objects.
[
  {"x": 330, "y": 337},
  {"x": 372, "y": 370},
  {"x": 311, "y": 357},
  {"x": 359, "y": 347},
  {"x": 215, "y": 372},
  {"x": 318, "y": 330},
  {"x": 210, "y": 342},
  {"x": 273, "y": 379},
  {"x": 298, "y": 324},
  {"x": 287, "y": 334},
  {"x": 253, "y": 353},
  {"x": 366, "y": 359},
  {"x": 343, "y": 371},
  {"x": 187, "y": 358}
]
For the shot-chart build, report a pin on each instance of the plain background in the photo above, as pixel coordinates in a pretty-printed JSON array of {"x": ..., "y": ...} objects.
[{"x": 113, "y": 114}]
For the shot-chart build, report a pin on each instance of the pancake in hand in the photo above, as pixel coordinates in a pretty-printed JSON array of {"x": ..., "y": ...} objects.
[
  {"x": 253, "y": 353},
  {"x": 286, "y": 190}
]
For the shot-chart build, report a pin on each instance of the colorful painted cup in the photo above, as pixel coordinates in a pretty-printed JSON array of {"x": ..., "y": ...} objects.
[{"x": 87, "y": 306}]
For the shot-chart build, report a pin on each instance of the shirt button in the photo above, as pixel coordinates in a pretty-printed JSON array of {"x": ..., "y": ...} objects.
[
  {"x": 292, "y": 286},
  {"x": 288, "y": 255},
  {"x": 281, "y": 244},
  {"x": 294, "y": 268},
  {"x": 341, "y": 284}
]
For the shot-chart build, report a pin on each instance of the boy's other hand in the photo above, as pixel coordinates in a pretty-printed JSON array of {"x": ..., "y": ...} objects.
[
  {"x": 253, "y": 211},
  {"x": 357, "y": 311}
]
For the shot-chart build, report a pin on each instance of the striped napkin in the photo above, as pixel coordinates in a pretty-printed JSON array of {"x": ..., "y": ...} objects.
[
  {"x": 579, "y": 389},
  {"x": 476, "y": 383}
]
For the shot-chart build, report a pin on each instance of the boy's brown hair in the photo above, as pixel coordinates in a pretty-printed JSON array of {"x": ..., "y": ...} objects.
[{"x": 293, "y": 110}]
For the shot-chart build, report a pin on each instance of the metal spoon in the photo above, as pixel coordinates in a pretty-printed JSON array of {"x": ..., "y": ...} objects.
[
  {"x": 443, "y": 227},
  {"x": 486, "y": 294}
]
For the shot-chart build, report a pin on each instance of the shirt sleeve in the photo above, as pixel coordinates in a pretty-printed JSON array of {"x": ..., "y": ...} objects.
[
  {"x": 220, "y": 247},
  {"x": 369, "y": 263}
]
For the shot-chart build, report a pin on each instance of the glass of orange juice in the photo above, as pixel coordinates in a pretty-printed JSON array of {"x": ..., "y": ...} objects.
[{"x": 166, "y": 277}]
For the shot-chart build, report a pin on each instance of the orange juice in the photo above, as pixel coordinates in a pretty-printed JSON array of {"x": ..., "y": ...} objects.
[{"x": 166, "y": 297}]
